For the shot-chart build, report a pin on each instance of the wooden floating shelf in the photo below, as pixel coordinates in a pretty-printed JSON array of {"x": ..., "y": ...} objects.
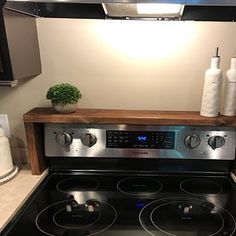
[{"x": 109, "y": 116}]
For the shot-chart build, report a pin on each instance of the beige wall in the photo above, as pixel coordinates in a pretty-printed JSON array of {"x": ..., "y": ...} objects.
[{"x": 121, "y": 64}]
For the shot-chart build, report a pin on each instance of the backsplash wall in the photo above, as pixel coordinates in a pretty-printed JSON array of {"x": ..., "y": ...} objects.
[{"x": 121, "y": 64}]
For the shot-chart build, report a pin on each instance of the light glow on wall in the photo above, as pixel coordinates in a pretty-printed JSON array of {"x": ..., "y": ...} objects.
[{"x": 146, "y": 39}]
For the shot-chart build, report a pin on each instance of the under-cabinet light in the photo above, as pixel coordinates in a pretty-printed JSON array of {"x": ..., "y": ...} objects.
[{"x": 160, "y": 9}]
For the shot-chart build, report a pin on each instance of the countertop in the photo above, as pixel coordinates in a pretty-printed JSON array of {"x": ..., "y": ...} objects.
[{"x": 14, "y": 193}]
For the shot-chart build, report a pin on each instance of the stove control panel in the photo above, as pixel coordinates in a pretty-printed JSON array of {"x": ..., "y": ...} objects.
[{"x": 140, "y": 141}]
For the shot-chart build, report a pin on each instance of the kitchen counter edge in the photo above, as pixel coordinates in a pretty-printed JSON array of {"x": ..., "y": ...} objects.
[{"x": 15, "y": 193}]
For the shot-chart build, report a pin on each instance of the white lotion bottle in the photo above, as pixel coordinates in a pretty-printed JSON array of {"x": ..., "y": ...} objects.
[
  {"x": 229, "y": 107},
  {"x": 212, "y": 88},
  {"x": 6, "y": 164}
]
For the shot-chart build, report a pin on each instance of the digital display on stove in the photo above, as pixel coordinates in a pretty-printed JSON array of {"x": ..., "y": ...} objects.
[{"x": 140, "y": 139}]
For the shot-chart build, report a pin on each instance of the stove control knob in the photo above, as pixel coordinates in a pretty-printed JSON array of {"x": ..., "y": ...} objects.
[
  {"x": 192, "y": 141},
  {"x": 216, "y": 142},
  {"x": 88, "y": 139},
  {"x": 92, "y": 205},
  {"x": 64, "y": 139}
]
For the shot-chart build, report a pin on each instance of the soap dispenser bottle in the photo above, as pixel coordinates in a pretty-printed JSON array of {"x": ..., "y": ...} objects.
[
  {"x": 7, "y": 170},
  {"x": 229, "y": 107},
  {"x": 212, "y": 88}
]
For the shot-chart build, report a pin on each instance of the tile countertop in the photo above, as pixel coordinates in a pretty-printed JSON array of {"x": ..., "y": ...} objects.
[{"x": 14, "y": 193}]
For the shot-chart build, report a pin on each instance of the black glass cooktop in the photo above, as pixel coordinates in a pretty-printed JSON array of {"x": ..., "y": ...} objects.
[{"x": 108, "y": 205}]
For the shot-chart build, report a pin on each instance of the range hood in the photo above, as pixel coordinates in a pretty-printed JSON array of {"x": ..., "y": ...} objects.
[
  {"x": 143, "y": 10},
  {"x": 204, "y": 10},
  {"x": 184, "y": 2}
]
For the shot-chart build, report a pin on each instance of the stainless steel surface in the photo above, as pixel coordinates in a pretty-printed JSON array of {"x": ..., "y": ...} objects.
[
  {"x": 192, "y": 141},
  {"x": 88, "y": 139},
  {"x": 28, "y": 8},
  {"x": 216, "y": 142},
  {"x": 64, "y": 139},
  {"x": 8, "y": 83},
  {"x": 181, "y": 151},
  {"x": 130, "y": 10},
  {"x": 22, "y": 41},
  {"x": 185, "y": 2},
  {"x": 194, "y": 10},
  {"x": 233, "y": 177}
]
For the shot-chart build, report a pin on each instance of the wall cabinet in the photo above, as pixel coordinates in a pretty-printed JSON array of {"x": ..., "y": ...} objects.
[{"x": 19, "y": 47}]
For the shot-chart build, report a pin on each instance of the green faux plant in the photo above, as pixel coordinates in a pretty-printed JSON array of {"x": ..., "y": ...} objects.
[{"x": 63, "y": 94}]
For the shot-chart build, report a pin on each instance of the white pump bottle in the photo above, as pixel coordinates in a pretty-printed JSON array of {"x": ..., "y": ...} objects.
[
  {"x": 7, "y": 170},
  {"x": 6, "y": 164},
  {"x": 212, "y": 88},
  {"x": 229, "y": 108}
]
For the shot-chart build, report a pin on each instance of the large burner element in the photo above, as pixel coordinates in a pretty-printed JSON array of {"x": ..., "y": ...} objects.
[
  {"x": 200, "y": 187},
  {"x": 139, "y": 186},
  {"x": 69, "y": 218},
  {"x": 78, "y": 184},
  {"x": 186, "y": 217}
]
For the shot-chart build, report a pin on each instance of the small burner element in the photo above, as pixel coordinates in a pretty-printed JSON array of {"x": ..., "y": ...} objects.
[
  {"x": 77, "y": 184},
  {"x": 186, "y": 216},
  {"x": 76, "y": 218},
  {"x": 139, "y": 186},
  {"x": 70, "y": 218},
  {"x": 200, "y": 187}
]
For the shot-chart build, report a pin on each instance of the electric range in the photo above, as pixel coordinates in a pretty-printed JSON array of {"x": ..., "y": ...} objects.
[{"x": 133, "y": 180}]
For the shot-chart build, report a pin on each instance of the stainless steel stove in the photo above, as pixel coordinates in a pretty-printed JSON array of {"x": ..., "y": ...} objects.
[{"x": 133, "y": 180}]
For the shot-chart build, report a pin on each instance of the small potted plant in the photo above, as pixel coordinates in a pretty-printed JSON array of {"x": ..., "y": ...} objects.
[{"x": 64, "y": 97}]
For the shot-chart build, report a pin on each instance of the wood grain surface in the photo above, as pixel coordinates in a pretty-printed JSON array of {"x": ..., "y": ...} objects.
[
  {"x": 109, "y": 116},
  {"x": 35, "y": 140}
]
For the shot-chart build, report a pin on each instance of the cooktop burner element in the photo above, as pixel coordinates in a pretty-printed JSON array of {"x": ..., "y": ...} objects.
[
  {"x": 186, "y": 216},
  {"x": 78, "y": 184},
  {"x": 152, "y": 205},
  {"x": 139, "y": 186},
  {"x": 69, "y": 218},
  {"x": 74, "y": 216},
  {"x": 199, "y": 187}
]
